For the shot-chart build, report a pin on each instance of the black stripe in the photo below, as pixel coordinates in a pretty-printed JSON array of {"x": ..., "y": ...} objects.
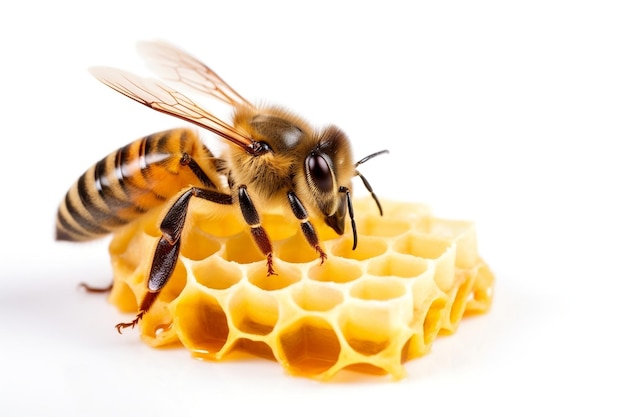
[
  {"x": 85, "y": 223},
  {"x": 161, "y": 140},
  {"x": 143, "y": 164},
  {"x": 88, "y": 199},
  {"x": 62, "y": 234},
  {"x": 105, "y": 188},
  {"x": 151, "y": 146},
  {"x": 120, "y": 159},
  {"x": 68, "y": 231},
  {"x": 118, "y": 168},
  {"x": 126, "y": 179}
]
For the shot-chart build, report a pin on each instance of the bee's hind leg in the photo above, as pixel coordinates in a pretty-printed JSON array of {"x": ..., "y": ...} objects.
[{"x": 168, "y": 248}]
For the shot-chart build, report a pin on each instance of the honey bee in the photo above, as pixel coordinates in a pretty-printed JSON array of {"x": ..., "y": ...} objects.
[{"x": 274, "y": 159}]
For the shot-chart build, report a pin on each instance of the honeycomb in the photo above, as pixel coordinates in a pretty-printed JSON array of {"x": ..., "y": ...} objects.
[{"x": 412, "y": 277}]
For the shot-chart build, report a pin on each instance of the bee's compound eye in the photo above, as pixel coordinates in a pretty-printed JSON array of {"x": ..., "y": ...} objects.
[{"x": 320, "y": 172}]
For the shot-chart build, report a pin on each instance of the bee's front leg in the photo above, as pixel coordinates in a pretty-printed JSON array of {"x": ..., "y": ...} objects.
[
  {"x": 307, "y": 228},
  {"x": 251, "y": 216},
  {"x": 168, "y": 248}
]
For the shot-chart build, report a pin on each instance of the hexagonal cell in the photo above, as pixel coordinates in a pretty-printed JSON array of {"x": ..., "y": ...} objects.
[
  {"x": 201, "y": 323},
  {"x": 312, "y": 296},
  {"x": 368, "y": 327},
  {"x": 197, "y": 244},
  {"x": 421, "y": 245},
  {"x": 216, "y": 273},
  {"x": 380, "y": 289},
  {"x": 295, "y": 249},
  {"x": 309, "y": 346},
  {"x": 336, "y": 270},
  {"x": 367, "y": 247},
  {"x": 253, "y": 311},
  {"x": 463, "y": 234},
  {"x": 242, "y": 249},
  {"x": 382, "y": 226},
  {"x": 439, "y": 250},
  {"x": 397, "y": 265},
  {"x": 285, "y": 276}
]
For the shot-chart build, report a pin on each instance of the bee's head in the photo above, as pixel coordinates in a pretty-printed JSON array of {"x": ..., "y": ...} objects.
[{"x": 328, "y": 170}]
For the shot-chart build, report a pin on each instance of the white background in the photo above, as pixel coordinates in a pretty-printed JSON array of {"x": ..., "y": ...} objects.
[{"x": 512, "y": 115}]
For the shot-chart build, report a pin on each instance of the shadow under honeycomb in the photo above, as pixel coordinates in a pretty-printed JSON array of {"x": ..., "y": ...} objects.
[{"x": 412, "y": 277}]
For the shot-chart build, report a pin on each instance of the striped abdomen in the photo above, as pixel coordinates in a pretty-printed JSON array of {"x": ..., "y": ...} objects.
[{"x": 132, "y": 180}]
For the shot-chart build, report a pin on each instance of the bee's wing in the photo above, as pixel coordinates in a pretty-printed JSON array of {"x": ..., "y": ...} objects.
[
  {"x": 163, "y": 98},
  {"x": 173, "y": 64}
]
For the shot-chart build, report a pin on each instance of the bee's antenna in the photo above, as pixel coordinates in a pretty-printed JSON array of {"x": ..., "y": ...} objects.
[
  {"x": 369, "y": 188},
  {"x": 368, "y": 157},
  {"x": 365, "y": 182}
]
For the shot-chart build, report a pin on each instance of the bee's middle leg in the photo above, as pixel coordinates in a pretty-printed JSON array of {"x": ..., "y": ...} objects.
[
  {"x": 251, "y": 216},
  {"x": 307, "y": 228}
]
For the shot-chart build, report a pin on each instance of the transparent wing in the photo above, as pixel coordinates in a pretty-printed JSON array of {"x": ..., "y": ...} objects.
[
  {"x": 173, "y": 64},
  {"x": 163, "y": 98}
]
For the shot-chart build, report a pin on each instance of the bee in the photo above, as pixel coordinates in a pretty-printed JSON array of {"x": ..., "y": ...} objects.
[{"x": 274, "y": 159}]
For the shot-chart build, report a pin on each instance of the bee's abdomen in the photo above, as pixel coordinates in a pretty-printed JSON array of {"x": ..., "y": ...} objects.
[{"x": 130, "y": 181}]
